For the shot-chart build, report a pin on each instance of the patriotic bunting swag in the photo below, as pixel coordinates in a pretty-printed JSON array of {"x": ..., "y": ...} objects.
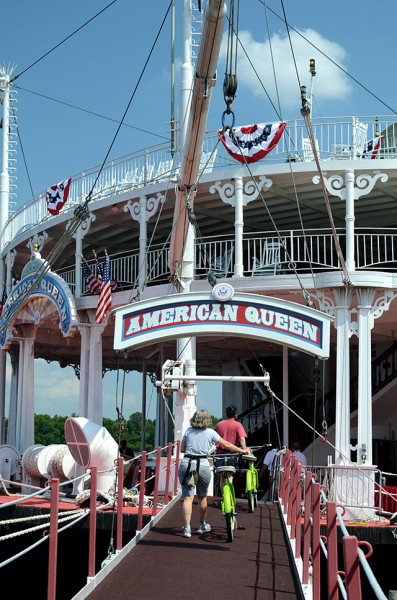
[
  {"x": 57, "y": 195},
  {"x": 250, "y": 143}
]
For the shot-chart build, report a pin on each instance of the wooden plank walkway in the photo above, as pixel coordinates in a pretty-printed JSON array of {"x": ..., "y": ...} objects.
[{"x": 255, "y": 566}]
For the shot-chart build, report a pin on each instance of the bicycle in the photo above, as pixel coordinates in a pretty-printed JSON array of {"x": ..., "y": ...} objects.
[
  {"x": 228, "y": 504},
  {"x": 251, "y": 482}
]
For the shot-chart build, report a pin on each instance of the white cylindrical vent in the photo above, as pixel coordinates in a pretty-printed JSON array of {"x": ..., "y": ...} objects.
[{"x": 91, "y": 445}]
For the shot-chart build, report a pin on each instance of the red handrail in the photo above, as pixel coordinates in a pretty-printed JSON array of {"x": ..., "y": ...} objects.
[{"x": 307, "y": 540}]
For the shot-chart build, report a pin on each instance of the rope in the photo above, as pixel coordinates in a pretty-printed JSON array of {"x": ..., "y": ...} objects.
[
  {"x": 305, "y": 111},
  {"x": 63, "y": 41}
]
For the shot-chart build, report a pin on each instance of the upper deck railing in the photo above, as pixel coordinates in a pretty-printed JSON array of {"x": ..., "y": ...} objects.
[{"x": 336, "y": 137}]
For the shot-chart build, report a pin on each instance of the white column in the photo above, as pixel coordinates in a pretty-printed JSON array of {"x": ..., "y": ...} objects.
[
  {"x": 142, "y": 211},
  {"x": 342, "y": 410},
  {"x": 85, "y": 334},
  {"x": 79, "y": 236},
  {"x": 3, "y": 356},
  {"x": 95, "y": 400},
  {"x": 236, "y": 194},
  {"x": 79, "y": 252},
  {"x": 285, "y": 397},
  {"x": 25, "y": 395},
  {"x": 185, "y": 405},
  {"x": 354, "y": 188},
  {"x": 364, "y": 408},
  {"x": 238, "y": 228},
  {"x": 142, "y": 243},
  {"x": 350, "y": 218},
  {"x": 12, "y": 411}
]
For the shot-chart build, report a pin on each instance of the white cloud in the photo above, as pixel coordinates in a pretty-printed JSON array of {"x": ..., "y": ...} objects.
[{"x": 330, "y": 83}]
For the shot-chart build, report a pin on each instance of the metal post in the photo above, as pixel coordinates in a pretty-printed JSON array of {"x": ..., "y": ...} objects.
[
  {"x": 156, "y": 481},
  {"x": 141, "y": 491},
  {"x": 93, "y": 516},
  {"x": 168, "y": 473},
  {"x": 53, "y": 540},
  {"x": 238, "y": 228},
  {"x": 120, "y": 490}
]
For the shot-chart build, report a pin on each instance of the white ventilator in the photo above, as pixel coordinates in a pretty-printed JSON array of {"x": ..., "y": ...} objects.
[{"x": 91, "y": 445}]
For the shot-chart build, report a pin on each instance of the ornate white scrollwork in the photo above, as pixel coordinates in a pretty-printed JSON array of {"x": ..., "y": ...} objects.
[
  {"x": 226, "y": 191},
  {"x": 36, "y": 243},
  {"x": 326, "y": 303},
  {"x": 152, "y": 206},
  {"x": 382, "y": 303},
  {"x": 252, "y": 190},
  {"x": 84, "y": 226},
  {"x": 364, "y": 184}
]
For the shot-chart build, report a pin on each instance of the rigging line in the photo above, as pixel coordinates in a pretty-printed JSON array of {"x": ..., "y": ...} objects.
[
  {"x": 332, "y": 61},
  {"x": 81, "y": 212},
  {"x": 23, "y": 153},
  {"x": 131, "y": 99},
  {"x": 90, "y": 112},
  {"x": 63, "y": 41},
  {"x": 290, "y": 43},
  {"x": 305, "y": 293},
  {"x": 141, "y": 266},
  {"x": 272, "y": 58},
  {"x": 325, "y": 440},
  {"x": 315, "y": 406},
  {"x": 290, "y": 164},
  {"x": 305, "y": 111}
]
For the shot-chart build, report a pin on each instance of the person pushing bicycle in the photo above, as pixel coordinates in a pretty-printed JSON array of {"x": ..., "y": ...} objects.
[{"x": 194, "y": 470}]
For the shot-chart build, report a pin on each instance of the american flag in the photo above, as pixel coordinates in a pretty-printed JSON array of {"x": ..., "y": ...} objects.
[
  {"x": 3, "y": 300},
  {"x": 92, "y": 282},
  {"x": 105, "y": 295}
]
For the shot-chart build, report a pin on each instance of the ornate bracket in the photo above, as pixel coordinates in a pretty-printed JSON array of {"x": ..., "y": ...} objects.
[
  {"x": 36, "y": 243},
  {"x": 382, "y": 303},
  {"x": 251, "y": 191},
  {"x": 364, "y": 184},
  {"x": 85, "y": 226},
  {"x": 152, "y": 206}
]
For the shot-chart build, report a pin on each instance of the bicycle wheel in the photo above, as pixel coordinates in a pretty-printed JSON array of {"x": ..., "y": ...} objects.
[
  {"x": 255, "y": 493},
  {"x": 251, "y": 501},
  {"x": 231, "y": 525}
]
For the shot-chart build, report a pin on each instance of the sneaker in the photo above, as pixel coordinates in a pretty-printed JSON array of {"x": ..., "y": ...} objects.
[
  {"x": 204, "y": 528},
  {"x": 187, "y": 532}
]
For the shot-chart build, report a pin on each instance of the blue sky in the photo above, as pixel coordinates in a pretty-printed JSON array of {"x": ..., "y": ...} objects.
[{"x": 61, "y": 97}]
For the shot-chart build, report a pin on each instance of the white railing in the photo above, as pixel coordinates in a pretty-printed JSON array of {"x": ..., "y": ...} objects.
[
  {"x": 312, "y": 250},
  {"x": 335, "y": 138}
]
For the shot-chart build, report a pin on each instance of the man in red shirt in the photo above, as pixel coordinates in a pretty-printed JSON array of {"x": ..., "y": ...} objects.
[{"x": 231, "y": 430}]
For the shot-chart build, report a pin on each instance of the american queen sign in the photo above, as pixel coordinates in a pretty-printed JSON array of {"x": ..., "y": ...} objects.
[{"x": 198, "y": 314}]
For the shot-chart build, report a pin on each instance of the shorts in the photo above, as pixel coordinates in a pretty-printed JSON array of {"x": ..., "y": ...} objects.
[{"x": 203, "y": 481}]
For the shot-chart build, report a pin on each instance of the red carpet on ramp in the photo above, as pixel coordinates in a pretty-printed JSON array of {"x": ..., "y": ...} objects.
[{"x": 256, "y": 565}]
